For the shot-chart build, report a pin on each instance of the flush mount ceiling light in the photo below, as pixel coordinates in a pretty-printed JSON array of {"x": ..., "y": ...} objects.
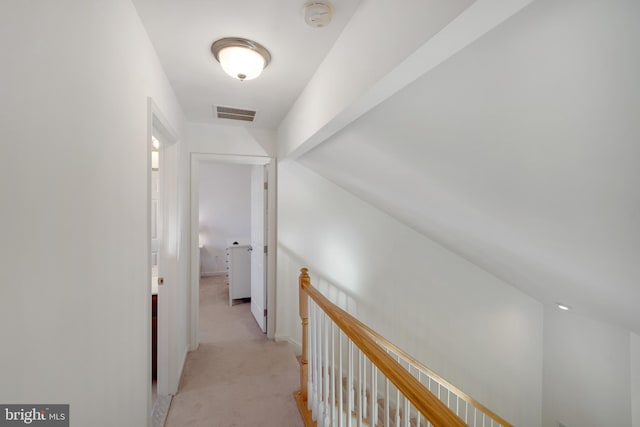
[
  {"x": 563, "y": 307},
  {"x": 242, "y": 59}
]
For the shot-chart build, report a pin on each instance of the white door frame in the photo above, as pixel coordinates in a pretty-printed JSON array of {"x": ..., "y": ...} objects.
[{"x": 194, "y": 250}]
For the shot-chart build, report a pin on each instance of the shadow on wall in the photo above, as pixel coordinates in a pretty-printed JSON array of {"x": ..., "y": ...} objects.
[
  {"x": 289, "y": 265},
  {"x": 333, "y": 291}
]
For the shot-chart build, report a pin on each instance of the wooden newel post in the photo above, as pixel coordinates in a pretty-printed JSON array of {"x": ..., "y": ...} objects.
[{"x": 304, "y": 281}]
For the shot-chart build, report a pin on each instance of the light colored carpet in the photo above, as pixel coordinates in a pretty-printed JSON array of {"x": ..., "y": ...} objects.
[{"x": 237, "y": 377}]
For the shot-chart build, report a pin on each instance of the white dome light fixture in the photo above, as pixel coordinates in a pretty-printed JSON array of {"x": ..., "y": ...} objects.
[{"x": 242, "y": 59}]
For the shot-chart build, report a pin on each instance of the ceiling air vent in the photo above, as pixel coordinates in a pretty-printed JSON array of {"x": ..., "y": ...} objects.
[{"x": 235, "y": 114}]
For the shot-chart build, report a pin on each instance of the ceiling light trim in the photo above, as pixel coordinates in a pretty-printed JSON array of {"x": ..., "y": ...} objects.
[{"x": 238, "y": 42}]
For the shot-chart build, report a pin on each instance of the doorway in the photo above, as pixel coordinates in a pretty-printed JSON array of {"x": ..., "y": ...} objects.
[
  {"x": 261, "y": 240},
  {"x": 163, "y": 238},
  {"x": 156, "y": 227}
]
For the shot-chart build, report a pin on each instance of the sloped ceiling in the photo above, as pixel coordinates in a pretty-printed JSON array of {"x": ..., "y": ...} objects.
[{"x": 521, "y": 153}]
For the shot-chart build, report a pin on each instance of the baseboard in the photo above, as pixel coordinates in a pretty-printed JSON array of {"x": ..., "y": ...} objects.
[
  {"x": 295, "y": 345},
  {"x": 212, "y": 273},
  {"x": 160, "y": 410}
]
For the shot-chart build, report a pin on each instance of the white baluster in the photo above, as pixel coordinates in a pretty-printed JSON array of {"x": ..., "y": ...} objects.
[
  {"x": 312, "y": 362},
  {"x": 332, "y": 387},
  {"x": 407, "y": 413},
  {"x": 320, "y": 417},
  {"x": 325, "y": 371},
  {"x": 365, "y": 402},
  {"x": 373, "y": 404},
  {"x": 350, "y": 386},
  {"x": 317, "y": 381},
  {"x": 319, "y": 391},
  {"x": 340, "y": 405},
  {"x": 319, "y": 364},
  {"x": 397, "y": 408},
  {"x": 359, "y": 390},
  {"x": 387, "y": 421}
]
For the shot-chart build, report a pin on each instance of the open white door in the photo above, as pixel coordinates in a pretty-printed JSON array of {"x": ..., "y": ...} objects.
[
  {"x": 164, "y": 248},
  {"x": 156, "y": 229},
  {"x": 258, "y": 254}
]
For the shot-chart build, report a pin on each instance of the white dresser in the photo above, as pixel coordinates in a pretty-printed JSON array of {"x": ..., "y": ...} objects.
[{"x": 239, "y": 272}]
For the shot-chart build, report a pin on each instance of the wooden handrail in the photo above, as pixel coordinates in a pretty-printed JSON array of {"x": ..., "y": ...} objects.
[{"x": 422, "y": 399}]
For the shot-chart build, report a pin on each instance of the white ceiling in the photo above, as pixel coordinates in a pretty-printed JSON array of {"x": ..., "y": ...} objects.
[
  {"x": 182, "y": 32},
  {"x": 521, "y": 153}
]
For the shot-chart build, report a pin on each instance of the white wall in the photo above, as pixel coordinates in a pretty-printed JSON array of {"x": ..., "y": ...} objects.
[
  {"x": 586, "y": 372},
  {"x": 472, "y": 328},
  {"x": 635, "y": 379},
  {"x": 216, "y": 139},
  {"x": 74, "y": 300},
  {"x": 225, "y": 211}
]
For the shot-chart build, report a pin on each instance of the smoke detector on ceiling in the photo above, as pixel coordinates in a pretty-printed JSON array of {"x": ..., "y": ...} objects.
[{"x": 318, "y": 14}]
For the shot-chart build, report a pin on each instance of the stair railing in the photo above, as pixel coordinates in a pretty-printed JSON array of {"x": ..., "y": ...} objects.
[{"x": 351, "y": 376}]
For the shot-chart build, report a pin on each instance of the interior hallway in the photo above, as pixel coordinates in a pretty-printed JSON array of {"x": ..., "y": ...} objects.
[{"x": 237, "y": 377}]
